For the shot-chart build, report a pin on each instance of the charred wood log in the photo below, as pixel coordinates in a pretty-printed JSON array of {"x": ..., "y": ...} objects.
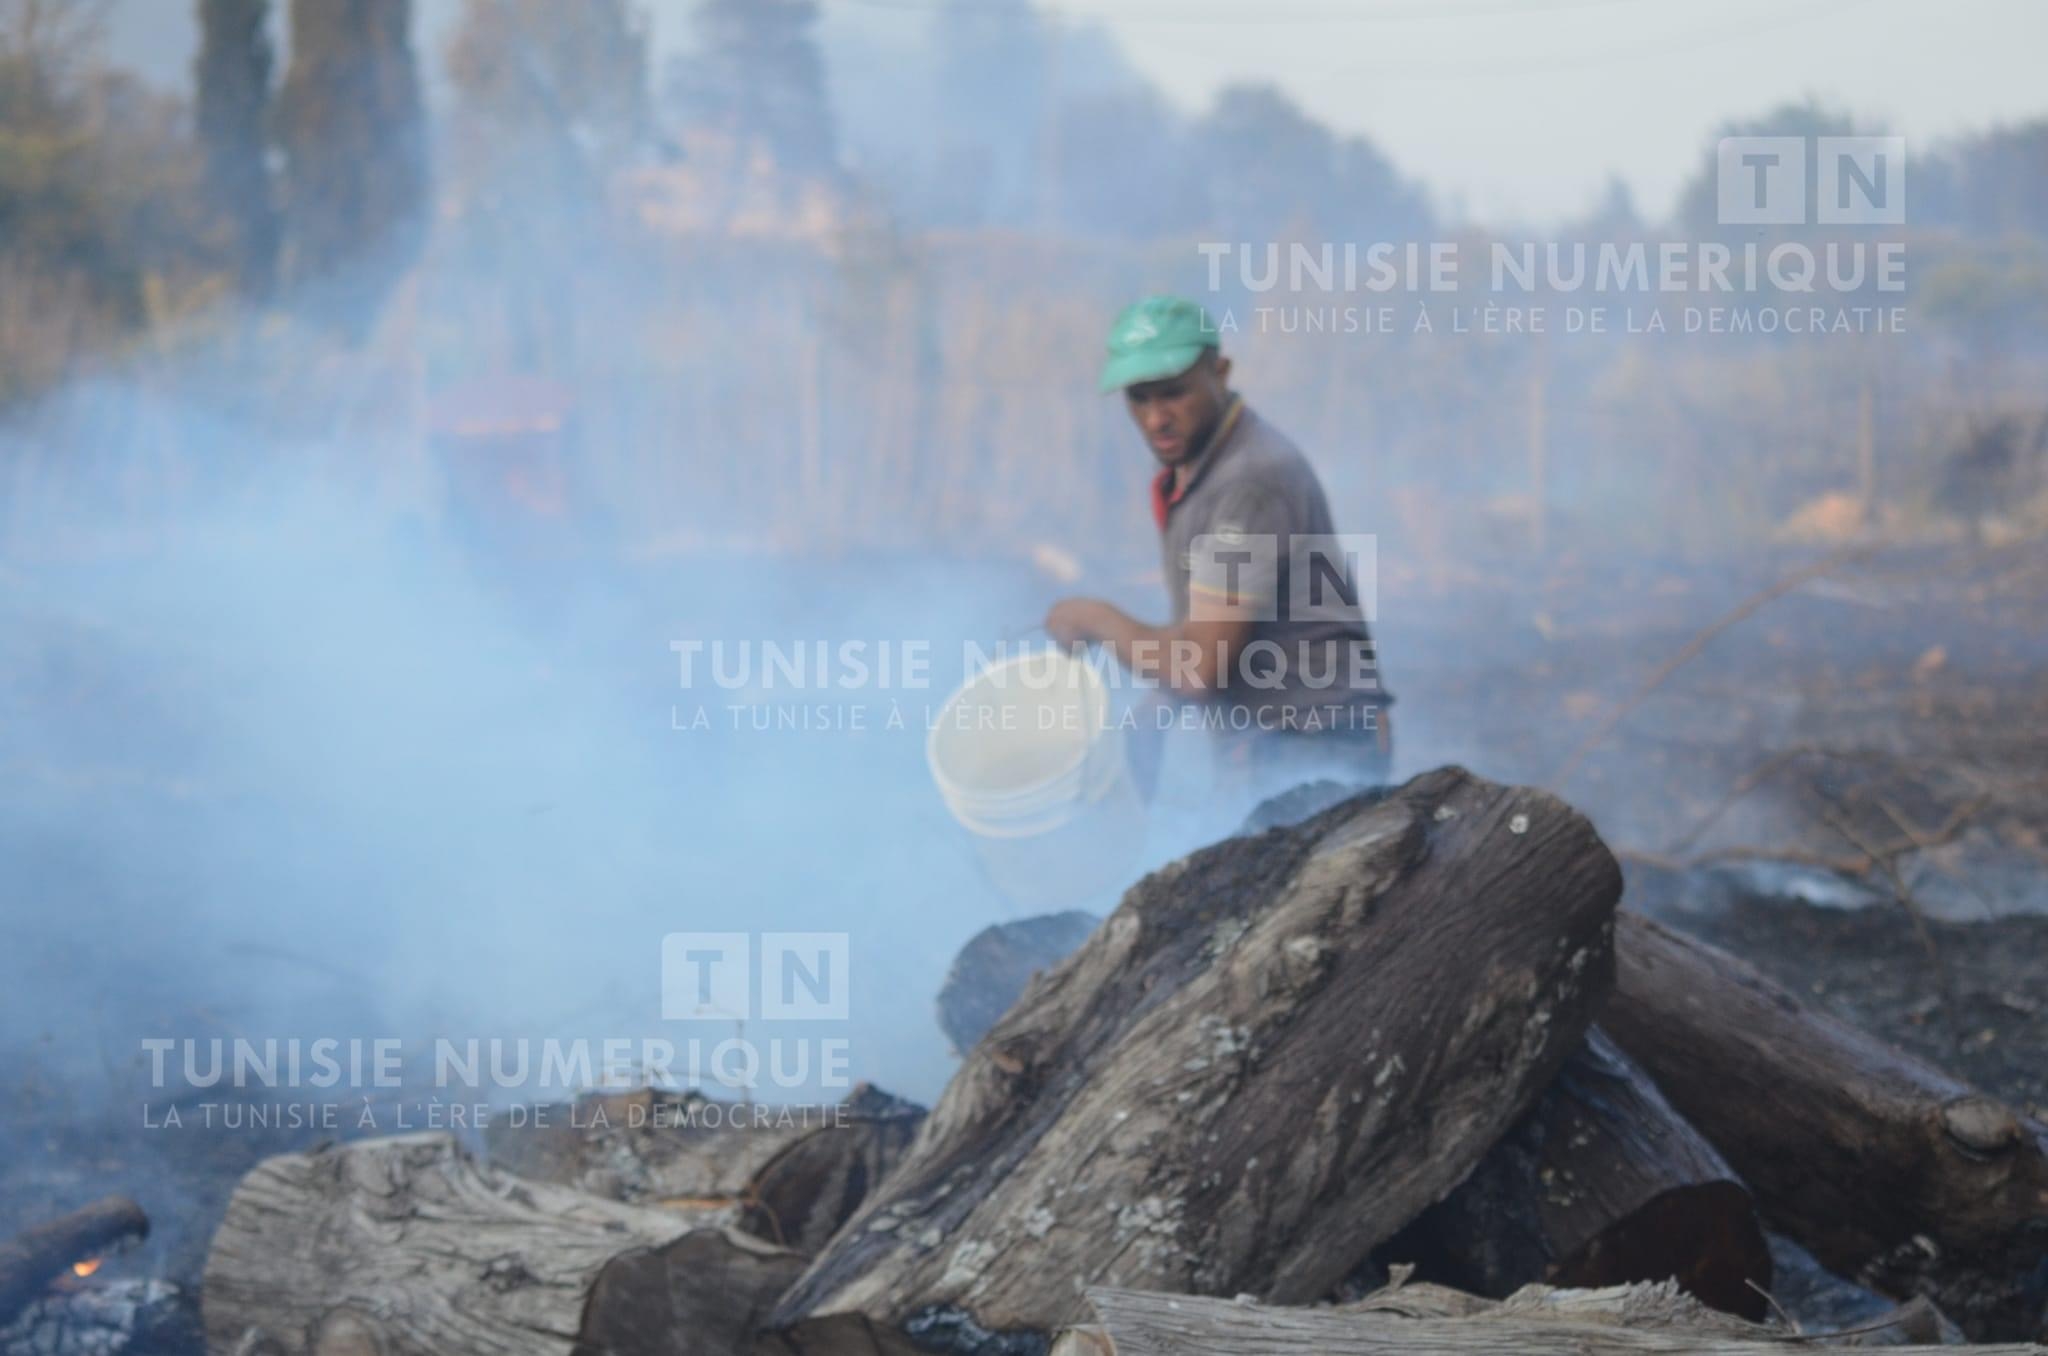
[
  {"x": 1892, "y": 1172},
  {"x": 647, "y": 1146},
  {"x": 802, "y": 1196},
  {"x": 407, "y": 1245},
  {"x": 996, "y": 964},
  {"x": 1602, "y": 1183},
  {"x": 1652, "y": 1306},
  {"x": 1270, "y": 1057},
  {"x": 791, "y": 1175},
  {"x": 35, "y": 1257},
  {"x": 1635, "y": 1320}
]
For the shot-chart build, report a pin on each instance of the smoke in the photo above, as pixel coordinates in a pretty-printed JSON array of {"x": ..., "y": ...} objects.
[
  {"x": 338, "y": 696},
  {"x": 284, "y": 763}
]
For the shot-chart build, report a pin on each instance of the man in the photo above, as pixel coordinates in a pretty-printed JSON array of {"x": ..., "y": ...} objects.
[{"x": 1266, "y": 632}]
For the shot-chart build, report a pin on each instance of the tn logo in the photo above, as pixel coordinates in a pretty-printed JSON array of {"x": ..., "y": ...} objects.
[
  {"x": 1857, "y": 181},
  {"x": 1254, "y": 576},
  {"x": 711, "y": 976}
]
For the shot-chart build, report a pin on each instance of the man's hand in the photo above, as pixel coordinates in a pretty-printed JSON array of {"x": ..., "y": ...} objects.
[{"x": 1083, "y": 621}]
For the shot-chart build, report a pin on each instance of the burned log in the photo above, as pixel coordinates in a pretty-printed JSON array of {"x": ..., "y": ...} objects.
[
  {"x": 646, "y": 1146},
  {"x": 408, "y": 1245},
  {"x": 1892, "y": 1172},
  {"x": 1601, "y": 1184},
  {"x": 802, "y": 1196},
  {"x": 789, "y": 1174},
  {"x": 35, "y": 1257},
  {"x": 996, "y": 964},
  {"x": 1647, "y": 1306},
  {"x": 1636, "y": 1320},
  {"x": 1271, "y": 1056}
]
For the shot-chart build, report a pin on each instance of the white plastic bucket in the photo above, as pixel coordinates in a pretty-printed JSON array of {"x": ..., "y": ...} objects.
[
  {"x": 1029, "y": 758},
  {"x": 1024, "y": 745}
]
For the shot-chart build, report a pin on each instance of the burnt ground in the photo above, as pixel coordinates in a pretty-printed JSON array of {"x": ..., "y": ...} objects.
[
  {"x": 1849, "y": 788},
  {"x": 1965, "y": 996}
]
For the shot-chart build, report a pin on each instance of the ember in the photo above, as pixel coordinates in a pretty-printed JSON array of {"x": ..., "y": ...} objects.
[{"x": 71, "y": 1243}]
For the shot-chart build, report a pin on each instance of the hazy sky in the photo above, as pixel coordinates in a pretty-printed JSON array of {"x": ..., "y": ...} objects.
[{"x": 1522, "y": 109}]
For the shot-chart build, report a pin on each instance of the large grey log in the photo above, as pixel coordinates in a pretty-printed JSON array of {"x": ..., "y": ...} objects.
[
  {"x": 408, "y": 1247},
  {"x": 1892, "y": 1172},
  {"x": 1272, "y": 1055}
]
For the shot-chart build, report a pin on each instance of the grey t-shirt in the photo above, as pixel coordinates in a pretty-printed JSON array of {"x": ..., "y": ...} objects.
[{"x": 1252, "y": 530}]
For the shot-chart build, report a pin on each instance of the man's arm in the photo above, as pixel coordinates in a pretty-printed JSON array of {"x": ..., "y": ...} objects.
[
  {"x": 1194, "y": 657},
  {"x": 1233, "y": 580}
]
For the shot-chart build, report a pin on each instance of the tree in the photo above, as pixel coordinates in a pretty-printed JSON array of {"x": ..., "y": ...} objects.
[
  {"x": 232, "y": 76},
  {"x": 1699, "y": 202},
  {"x": 571, "y": 75},
  {"x": 1369, "y": 199},
  {"x": 551, "y": 97},
  {"x": 759, "y": 77},
  {"x": 350, "y": 122},
  {"x": 98, "y": 197},
  {"x": 1992, "y": 184},
  {"x": 1118, "y": 158},
  {"x": 1266, "y": 166}
]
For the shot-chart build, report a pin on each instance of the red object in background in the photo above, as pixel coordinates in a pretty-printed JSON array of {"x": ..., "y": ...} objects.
[{"x": 504, "y": 444}]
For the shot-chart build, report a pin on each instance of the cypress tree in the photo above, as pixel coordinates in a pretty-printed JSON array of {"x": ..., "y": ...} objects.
[
  {"x": 350, "y": 121},
  {"x": 232, "y": 74}
]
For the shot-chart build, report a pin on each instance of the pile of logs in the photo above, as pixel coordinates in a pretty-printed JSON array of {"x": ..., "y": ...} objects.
[{"x": 1411, "y": 1029}]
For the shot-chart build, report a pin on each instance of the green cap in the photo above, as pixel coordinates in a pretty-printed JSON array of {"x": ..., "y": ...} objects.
[{"x": 1156, "y": 338}]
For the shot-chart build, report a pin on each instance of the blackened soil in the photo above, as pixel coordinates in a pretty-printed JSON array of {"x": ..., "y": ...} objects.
[{"x": 1969, "y": 997}]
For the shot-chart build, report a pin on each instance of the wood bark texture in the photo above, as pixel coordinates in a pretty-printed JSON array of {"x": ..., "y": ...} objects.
[
  {"x": 1626, "y": 1321},
  {"x": 1272, "y": 1055},
  {"x": 1602, "y": 1183},
  {"x": 1891, "y": 1172},
  {"x": 407, "y": 1246}
]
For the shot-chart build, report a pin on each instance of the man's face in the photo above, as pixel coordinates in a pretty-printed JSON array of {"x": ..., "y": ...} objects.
[{"x": 1175, "y": 414}]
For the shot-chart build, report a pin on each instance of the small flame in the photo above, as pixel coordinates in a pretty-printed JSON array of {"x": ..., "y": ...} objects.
[{"x": 85, "y": 1268}]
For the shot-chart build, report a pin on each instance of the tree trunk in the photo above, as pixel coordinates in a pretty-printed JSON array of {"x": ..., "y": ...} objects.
[
  {"x": 1271, "y": 1056},
  {"x": 1602, "y": 1183},
  {"x": 35, "y": 1257},
  {"x": 407, "y": 1245},
  {"x": 1891, "y": 1172},
  {"x": 1638, "y": 1320}
]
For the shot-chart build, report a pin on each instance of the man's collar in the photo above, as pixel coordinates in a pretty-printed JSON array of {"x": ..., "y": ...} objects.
[
  {"x": 1164, "y": 495},
  {"x": 1218, "y": 439}
]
